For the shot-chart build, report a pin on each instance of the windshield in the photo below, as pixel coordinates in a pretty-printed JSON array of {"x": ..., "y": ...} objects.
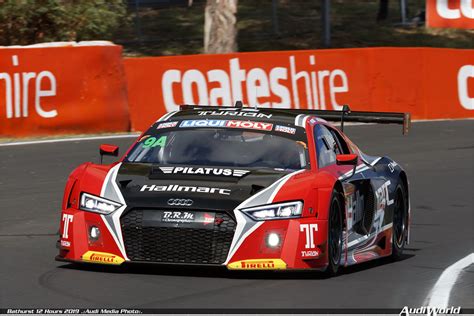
[{"x": 219, "y": 147}]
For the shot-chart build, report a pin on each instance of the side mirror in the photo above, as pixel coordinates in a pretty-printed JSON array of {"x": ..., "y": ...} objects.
[
  {"x": 108, "y": 150},
  {"x": 347, "y": 160}
]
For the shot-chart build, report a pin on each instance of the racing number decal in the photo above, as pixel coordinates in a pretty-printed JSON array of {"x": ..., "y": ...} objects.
[
  {"x": 151, "y": 142},
  {"x": 309, "y": 230},
  {"x": 67, "y": 218}
]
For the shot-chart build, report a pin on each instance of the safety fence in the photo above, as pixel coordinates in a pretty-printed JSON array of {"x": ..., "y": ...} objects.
[{"x": 90, "y": 89}]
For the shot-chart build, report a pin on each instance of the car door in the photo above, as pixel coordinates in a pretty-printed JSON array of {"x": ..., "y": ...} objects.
[{"x": 358, "y": 188}]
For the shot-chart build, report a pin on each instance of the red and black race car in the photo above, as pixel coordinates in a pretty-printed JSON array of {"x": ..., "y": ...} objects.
[{"x": 253, "y": 189}]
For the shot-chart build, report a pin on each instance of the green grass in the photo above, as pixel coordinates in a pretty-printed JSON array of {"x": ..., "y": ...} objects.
[{"x": 179, "y": 30}]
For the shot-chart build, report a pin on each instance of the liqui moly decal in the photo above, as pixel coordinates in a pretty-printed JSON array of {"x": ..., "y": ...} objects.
[{"x": 229, "y": 124}]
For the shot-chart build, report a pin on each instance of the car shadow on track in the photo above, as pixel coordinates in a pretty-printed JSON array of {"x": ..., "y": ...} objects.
[{"x": 222, "y": 272}]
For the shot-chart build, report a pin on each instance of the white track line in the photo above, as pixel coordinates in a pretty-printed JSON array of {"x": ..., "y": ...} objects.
[
  {"x": 73, "y": 139},
  {"x": 439, "y": 295}
]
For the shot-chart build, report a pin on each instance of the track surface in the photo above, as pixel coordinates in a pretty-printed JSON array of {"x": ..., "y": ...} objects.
[{"x": 439, "y": 159}]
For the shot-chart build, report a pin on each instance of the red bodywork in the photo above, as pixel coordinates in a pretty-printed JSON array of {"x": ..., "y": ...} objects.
[{"x": 303, "y": 240}]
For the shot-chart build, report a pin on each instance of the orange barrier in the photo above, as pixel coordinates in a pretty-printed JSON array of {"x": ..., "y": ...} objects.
[
  {"x": 70, "y": 90},
  {"x": 428, "y": 82},
  {"x": 62, "y": 90},
  {"x": 450, "y": 13}
]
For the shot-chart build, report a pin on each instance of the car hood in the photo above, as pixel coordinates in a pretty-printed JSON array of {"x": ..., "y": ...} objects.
[{"x": 208, "y": 188}]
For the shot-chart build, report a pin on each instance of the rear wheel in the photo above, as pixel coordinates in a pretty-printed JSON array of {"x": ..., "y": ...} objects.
[
  {"x": 400, "y": 222},
  {"x": 335, "y": 226}
]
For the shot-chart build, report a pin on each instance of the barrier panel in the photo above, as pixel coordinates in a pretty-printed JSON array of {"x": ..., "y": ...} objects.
[
  {"x": 68, "y": 89},
  {"x": 430, "y": 83},
  {"x": 450, "y": 13},
  {"x": 62, "y": 88}
]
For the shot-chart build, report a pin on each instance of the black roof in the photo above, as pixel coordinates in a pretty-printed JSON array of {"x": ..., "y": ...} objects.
[
  {"x": 287, "y": 116},
  {"x": 292, "y": 116}
]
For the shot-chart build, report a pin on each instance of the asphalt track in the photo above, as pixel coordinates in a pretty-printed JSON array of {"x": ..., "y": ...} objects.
[{"x": 439, "y": 159}]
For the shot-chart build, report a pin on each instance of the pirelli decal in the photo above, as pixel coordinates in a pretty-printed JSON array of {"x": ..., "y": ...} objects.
[
  {"x": 257, "y": 264},
  {"x": 102, "y": 257}
]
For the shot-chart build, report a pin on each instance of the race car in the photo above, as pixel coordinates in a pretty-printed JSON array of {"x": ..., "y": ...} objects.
[{"x": 240, "y": 187}]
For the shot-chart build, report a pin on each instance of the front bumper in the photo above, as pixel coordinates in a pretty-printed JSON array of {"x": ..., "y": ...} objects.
[{"x": 302, "y": 243}]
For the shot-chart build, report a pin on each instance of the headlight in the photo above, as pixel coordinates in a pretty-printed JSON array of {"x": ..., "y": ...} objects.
[
  {"x": 275, "y": 211},
  {"x": 92, "y": 203}
]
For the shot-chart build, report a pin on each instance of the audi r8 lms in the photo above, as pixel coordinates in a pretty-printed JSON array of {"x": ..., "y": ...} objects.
[{"x": 244, "y": 188}]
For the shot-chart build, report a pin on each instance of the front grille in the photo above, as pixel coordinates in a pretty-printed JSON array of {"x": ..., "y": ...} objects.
[{"x": 177, "y": 244}]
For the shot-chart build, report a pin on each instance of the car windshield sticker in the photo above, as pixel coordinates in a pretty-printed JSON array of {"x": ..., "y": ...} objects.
[
  {"x": 285, "y": 129},
  {"x": 167, "y": 125},
  {"x": 234, "y": 113},
  {"x": 151, "y": 142},
  {"x": 227, "y": 123}
]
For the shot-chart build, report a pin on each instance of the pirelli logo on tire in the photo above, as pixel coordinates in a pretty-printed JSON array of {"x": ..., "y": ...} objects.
[
  {"x": 258, "y": 264},
  {"x": 102, "y": 257}
]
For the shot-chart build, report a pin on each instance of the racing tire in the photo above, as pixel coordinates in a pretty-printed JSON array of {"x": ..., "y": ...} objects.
[
  {"x": 400, "y": 222},
  {"x": 335, "y": 230}
]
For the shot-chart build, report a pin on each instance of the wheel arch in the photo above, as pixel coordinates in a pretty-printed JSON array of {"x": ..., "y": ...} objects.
[
  {"x": 404, "y": 181},
  {"x": 341, "y": 196}
]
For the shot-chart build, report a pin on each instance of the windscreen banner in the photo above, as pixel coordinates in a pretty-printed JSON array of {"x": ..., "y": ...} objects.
[
  {"x": 450, "y": 14},
  {"x": 428, "y": 82},
  {"x": 62, "y": 88}
]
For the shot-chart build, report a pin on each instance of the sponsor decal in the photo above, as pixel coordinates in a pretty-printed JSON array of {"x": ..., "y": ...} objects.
[
  {"x": 450, "y": 13},
  {"x": 258, "y": 264},
  {"x": 309, "y": 230},
  {"x": 285, "y": 129},
  {"x": 392, "y": 166},
  {"x": 310, "y": 254},
  {"x": 65, "y": 243},
  {"x": 167, "y": 125},
  {"x": 177, "y": 217},
  {"x": 250, "y": 125},
  {"x": 205, "y": 171},
  {"x": 67, "y": 219},
  {"x": 383, "y": 198},
  {"x": 102, "y": 257},
  {"x": 230, "y": 124},
  {"x": 428, "y": 310},
  {"x": 181, "y": 202},
  {"x": 465, "y": 74},
  {"x": 184, "y": 188},
  {"x": 184, "y": 218},
  {"x": 41, "y": 85},
  {"x": 234, "y": 113},
  {"x": 287, "y": 82}
]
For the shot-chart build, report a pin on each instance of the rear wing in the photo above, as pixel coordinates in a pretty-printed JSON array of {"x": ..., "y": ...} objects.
[{"x": 345, "y": 115}]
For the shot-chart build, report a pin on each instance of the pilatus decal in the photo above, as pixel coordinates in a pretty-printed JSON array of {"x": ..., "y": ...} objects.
[{"x": 205, "y": 171}]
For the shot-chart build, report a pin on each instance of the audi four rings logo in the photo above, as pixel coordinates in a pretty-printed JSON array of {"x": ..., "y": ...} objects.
[{"x": 181, "y": 202}]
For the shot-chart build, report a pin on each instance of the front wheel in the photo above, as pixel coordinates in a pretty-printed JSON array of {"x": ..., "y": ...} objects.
[
  {"x": 400, "y": 222},
  {"x": 335, "y": 227}
]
